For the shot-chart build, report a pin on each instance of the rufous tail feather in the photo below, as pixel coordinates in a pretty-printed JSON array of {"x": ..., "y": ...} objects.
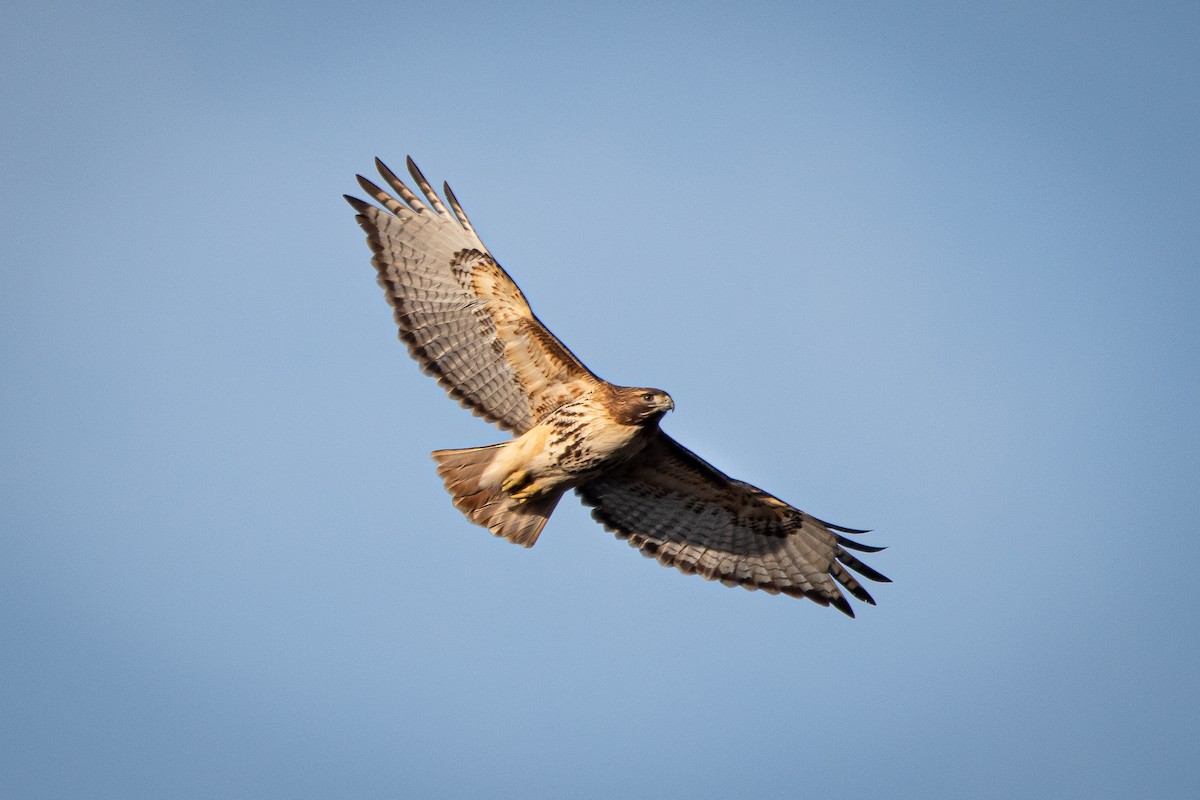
[{"x": 518, "y": 522}]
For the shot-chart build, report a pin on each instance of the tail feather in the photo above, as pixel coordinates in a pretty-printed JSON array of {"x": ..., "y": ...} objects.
[{"x": 489, "y": 506}]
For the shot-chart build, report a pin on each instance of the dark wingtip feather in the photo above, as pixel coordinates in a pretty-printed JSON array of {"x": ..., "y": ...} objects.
[
  {"x": 861, "y": 568},
  {"x": 383, "y": 169},
  {"x": 831, "y": 526},
  {"x": 859, "y": 546},
  {"x": 843, "y": 605},
  {"x": 431, "y": 197},
  {"x": 367, "y": 185},
  {"x": 415, "y": 171}
]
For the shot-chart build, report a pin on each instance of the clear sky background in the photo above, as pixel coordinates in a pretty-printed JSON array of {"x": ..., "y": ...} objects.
[{"x": 927, "y": 268}]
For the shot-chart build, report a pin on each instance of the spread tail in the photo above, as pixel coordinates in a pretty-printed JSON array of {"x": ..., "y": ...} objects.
[{"x": 489, "y": 506}]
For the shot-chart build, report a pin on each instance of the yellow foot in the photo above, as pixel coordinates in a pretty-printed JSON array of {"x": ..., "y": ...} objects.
[
  {"x": 527, "y": 493},
  {"x": 515, "y": 480}
]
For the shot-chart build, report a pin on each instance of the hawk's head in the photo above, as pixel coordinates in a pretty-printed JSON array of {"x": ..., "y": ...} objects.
[{"x": 636, "y": 406}]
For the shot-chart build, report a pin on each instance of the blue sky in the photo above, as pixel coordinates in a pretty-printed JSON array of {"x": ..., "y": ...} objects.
[{"x": 926, "y": 268}]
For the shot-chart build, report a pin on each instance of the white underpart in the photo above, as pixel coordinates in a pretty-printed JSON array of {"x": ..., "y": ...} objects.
[
  {"x": 527, "y": 451},
  {"x": 536, "y": 453}
]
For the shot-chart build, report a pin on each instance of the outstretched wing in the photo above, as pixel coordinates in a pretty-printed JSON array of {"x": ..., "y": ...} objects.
[
  {"x": 672, "y": 505},
  {"x": 462, "y": 317}
]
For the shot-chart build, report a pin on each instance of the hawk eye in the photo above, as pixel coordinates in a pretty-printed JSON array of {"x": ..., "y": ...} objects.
[{"x": 647, "y": 396}]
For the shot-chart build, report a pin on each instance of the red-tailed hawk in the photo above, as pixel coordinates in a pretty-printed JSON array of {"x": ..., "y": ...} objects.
[{"x": 469, "y": 326}]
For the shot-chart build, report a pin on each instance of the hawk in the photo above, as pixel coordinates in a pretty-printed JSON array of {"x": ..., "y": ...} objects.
[{"x": 468, "y": 325}]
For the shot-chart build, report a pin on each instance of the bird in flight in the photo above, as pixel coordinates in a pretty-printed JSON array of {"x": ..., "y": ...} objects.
[{"x": 468, "y": 325}]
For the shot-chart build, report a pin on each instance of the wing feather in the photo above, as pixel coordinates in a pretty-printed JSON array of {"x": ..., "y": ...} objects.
[
  {"x": 435, "y": 202},
  {"x": 458, "y": 210},
  {"x": 398, "y": 186},
  {"x": 462, "y": 317},
  {"x": 673, "y": 506}
]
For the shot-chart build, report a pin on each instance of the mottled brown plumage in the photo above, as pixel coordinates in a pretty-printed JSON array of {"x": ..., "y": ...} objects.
[{"x": 467, "y": 324}]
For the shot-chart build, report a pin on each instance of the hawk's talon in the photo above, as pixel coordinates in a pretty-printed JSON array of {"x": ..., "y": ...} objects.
[
  {"x": 515, "y": 481},
  {"x": 526, "y": 493}
]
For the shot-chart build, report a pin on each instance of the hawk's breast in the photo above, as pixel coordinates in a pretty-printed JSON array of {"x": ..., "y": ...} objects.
[{"x": 585, "y": 439}]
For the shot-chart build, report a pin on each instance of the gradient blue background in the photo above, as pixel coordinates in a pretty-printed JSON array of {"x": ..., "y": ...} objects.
[{"x": 929, "y": 268}]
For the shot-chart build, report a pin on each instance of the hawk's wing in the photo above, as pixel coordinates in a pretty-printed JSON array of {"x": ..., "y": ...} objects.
[
  {"x": 460, "y": 314},
  {"x": 687, "y": 514}
]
